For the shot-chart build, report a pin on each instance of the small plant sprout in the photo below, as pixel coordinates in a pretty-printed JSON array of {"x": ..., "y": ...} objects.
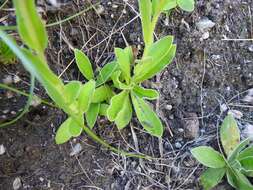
[
  {"x": 115, "y": 92},
  {"x": 236, "y": 163}
]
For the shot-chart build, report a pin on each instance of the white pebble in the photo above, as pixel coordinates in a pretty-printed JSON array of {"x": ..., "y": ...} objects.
[
  {"x": 2, "y": 149},
  {"x": 17, "y": 183},
  {"x": 76, "y": 149}
]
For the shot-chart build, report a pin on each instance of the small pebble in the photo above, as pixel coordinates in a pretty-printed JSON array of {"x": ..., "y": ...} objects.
[
  {"x": 205, "y": 36},
  {"x": 2, "y": 149},
  {"x": 251, "y": 48},
  {"x": 178, "y": 145},
  {"x": 248, "y": 131},
  {"x": 76, "y": 149},
  {"x": 100, "y": 9},
  {"x": 205, "y": 24},
  {"x": 191, "y": 126},
  {"x": 17, "y": 183},
  {"x": 168, "y": 107},
  {"x": 115, "y": 6}
]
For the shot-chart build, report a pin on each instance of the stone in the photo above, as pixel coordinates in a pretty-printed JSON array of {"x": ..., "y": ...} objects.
[
  {"x": 76, "y": 149},
  {"x": 2, "y": 149},
  {"x": 191, "y": 126},
  {"x": 17, "y": 183},
  {"x": 205, "y": 24}
]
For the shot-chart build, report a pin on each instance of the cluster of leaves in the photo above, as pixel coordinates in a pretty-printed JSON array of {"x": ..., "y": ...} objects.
[
  {"x": 6, "y": 55},
  {"x": 236, "y": 165},
  {"x": 115, "y": 92},
  {"x": 186, "y": 5}
]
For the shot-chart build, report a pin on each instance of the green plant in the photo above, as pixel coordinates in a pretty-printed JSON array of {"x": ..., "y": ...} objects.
[
  {"x": 6, "y": 55},
  {"x": 237, "y": 164},
  {"x": 113, "y": 91},
  {"x": 186, "y": 5}
]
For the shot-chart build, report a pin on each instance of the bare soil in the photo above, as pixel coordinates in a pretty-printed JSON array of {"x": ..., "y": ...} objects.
[{"x": 206, "y": 76}]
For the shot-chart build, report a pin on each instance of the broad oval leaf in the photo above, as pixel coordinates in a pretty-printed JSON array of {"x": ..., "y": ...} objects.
[
  {"x": 124, "y": 116},
  {"x": 229, "y": 134},
  {"x": 208, "y": 157},
  {"x": 92, "y": 114},
  {"x": 120, "y": 109},
  {"x": 30, "y": 26},
  {"x": 171, "y": 4},
  {"x": 63, "y": 134},
  {"x": 158, "y": 56},
  {"x": 106, "y": 72},
  {"x": 102, "y": 93},
  {"x": 72, "y": 90},
  {"x": 212, "y": 177},
  {"x": 86, "y": 95},
  {"x": 68, "y": 129},
  {"x": 146, "y": 116},
  {"x": 186, "y": 5},
  {"x": 84, "y": 64},
  {"x": 74, "y": 127},
  {"x": 144, "y": 93}
]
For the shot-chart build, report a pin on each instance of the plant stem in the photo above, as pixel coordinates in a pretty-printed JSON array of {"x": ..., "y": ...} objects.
[
  {"x": 4, "y": 86},
  {"x": 26, "y": 108}
]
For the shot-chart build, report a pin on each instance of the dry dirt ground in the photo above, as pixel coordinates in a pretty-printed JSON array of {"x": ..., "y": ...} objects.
[{"x": 212, "y": 72}]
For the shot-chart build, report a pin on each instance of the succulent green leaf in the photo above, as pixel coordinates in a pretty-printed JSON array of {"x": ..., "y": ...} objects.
[
  {"x": 229, "y": 134},
  {"x": 120, "y": 109},
  {"x": 86, "y": 95},
  {"x": 245, "y": 153},
  {"x": 103, "y": 109},
  {"x": 106, "y": 72},
  {"x": 186, "y": 5},
  {"x": 144, "y": 93},
  {"x": 74, "y": 128},
  {"x": 117, "y": 83},
  {"x": 72, "y": 90},
  {"x": 30, "y": 26},
  {"x": 208, "y": 157},
  {"x": 247, "y": 164},
  {"x": 145, "y": 7},
  {"x": 6, "y": 54},
  {"x": 102, "y": 93},
  {"x": 124, "y": 116},
  {"x": 212, "y": 177},
  {"x": 161, "y": 53},
  {"x": 233, "y": 156},
  {"x": 124, "y": 59},
  {"x": 147, "y": 117},
  {"x": 63, "y": 134},
  {"x": 84, "y": 64},
  {"x": 237, "y": 180},
  {"x": 92, "y": 114},
  {"x": 68, "y": 129},
  {"x": 171, "y": 4}
]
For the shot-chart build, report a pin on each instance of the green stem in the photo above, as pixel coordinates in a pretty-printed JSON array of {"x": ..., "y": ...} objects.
[
  {"x": 54, "y": 23},
  {"x": 4, "y": 86},
  {"x": 26, "y": 108}
]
